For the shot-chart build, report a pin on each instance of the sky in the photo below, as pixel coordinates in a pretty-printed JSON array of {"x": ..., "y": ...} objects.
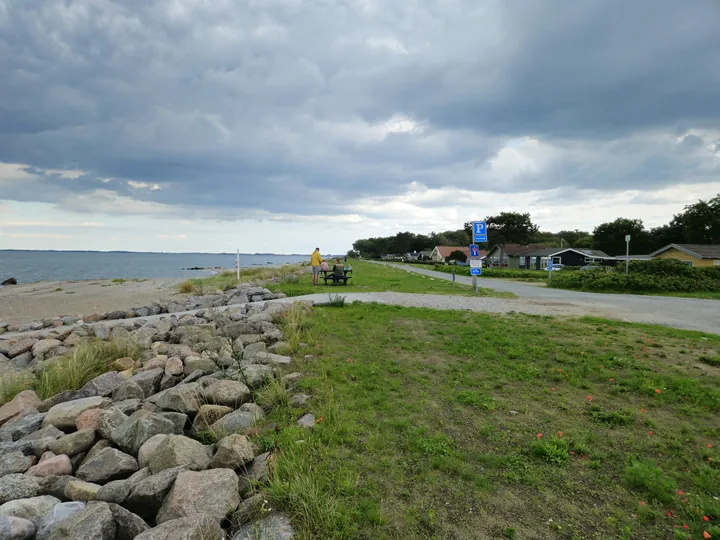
[{"x": 281, "y": 125}]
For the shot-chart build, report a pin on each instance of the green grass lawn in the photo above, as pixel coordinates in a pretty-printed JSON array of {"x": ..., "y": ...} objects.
[
  {"x": 370, "y": 277},
  {"x": 457, "y": 425}
]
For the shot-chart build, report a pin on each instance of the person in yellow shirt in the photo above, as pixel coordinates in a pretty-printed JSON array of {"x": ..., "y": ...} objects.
[{"x": 315, "y": 261}]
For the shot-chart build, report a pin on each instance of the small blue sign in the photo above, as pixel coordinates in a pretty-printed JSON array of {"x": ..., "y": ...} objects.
[
  {"x": 479, "y": 231},
  {"x": 474, "y": 250},
  {"x": 550, "y": 265},
  {"x": 476, "y": 271}
]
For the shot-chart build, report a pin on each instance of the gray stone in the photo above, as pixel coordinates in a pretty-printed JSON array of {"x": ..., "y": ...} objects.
[
  {"x": 169, "y": 381},
  {"x": 298, "y": 400},
  {"x": 128, "y": 390},
  {"x": 179, "y": 351},
  {"x": 249, "y": 510},
  {"x": 127, "y": 406},
  {"x": 24, "y": 360},
  {"x": 176, "y": 450},
  {"x": 247, "y": 339},
  {"x": 291, "y": 379},
  {"x": 148, "y": 449},
  {"x": 208, "y": 415},
  {"x": 275, "y": 526},
  {"x": 147, "y": 496},
  {"x": 193, "y": 377},
  {"x": 120, "y": 335},
  {"x": 54, "y": 486},
  {"x": 35, "y": 447},
  {"x": 198, "y": 527},
  {"x": 18, "y": 486},
  {"x": 62, "y": 397},
  {"x": 239, "y": 421},
  {"x": 233, "y": 452},
  {"x": 179, "y": 420},
  {"x": 251, "y": 349},
  {"x": 103, "y": 385},
  {"x": 127, "y": 524},
  {"x": 57, "y": 514},
  {"x": 110, "y": 419},
  {"x": 164, "y": 326},
  {"x": 149, "y": 380},
  {"x": 213, "y": 492},
  {"x": 280, "y": 347},
  {"x": 199, "y": 364},
  {"x": 174, "y": 367},
  {"x": 138, "y": 428},
  {"x": 16, "y": 463},
  {"x": 69, "y": 320},
  {"x": 33, "y": 509},
  {"x": 102, "y": 444},
  {"x": 306, "y": 421},
  {"x": 271, "y": 359},
  {"x": 20, "y": 347},
  {"x": 256, "y": 472},
  {"x": 75, "y": 443},
  {"x": 144, "y": 336},
  {"x": 26, "y": 399},
  {"x": 107, "y": 465},
  {"x": 44, "y": 346},
  {"x": 116, "y": 491},
  {"x": 184, "y": 399},
  {"x": 94, "y": 521},
  {"x": 23, "y": 424},
  {"x": 79, "y": 490},
  {"x": 15, "y": 528},
  {"x": 46, "y": 432},
  {"x": 63, "y": 415},
  {"x": 51, "y": 465},
  {"x": 254, "y": 375},
  {"x": 227, "y": 393}
]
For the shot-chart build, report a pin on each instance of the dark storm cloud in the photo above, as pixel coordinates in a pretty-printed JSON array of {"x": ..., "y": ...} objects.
[{"x": 280, "y": 105}]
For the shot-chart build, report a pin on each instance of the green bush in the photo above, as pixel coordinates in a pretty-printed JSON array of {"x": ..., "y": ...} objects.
[
  {"x": 645, "y": 475},
  {"x": 653, "y": 278}
]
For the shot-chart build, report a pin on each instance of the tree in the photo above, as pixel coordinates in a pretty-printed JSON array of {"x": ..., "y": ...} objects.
[
  {"x": 700, "y": 222},
  {"x": 610, "y": 237},
  {"x": 510, "y": 228},
  {"x": 457, "y": 255}
]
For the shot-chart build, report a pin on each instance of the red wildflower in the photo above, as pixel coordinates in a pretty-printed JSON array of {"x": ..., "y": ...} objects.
[
  {"x": 685, "y": 526},
  {"x": 319, "y": 420},
  {"x": 559, "y": 370},
  {"x": 559, "y": 434},
  {"x": 706, "y": 518},
  {"x": 552, "y": 389},
  {"x": 709, "y": 445},
  {"x": 681, "y": 492},
  {"x": 642, "y": 410},
  {"x": 589, "y": 398},
  {"x": 657, "y": 390},
  {"x": 349, "y": 360},
  {"x": 642, "y": 503},
  {"x": 667, "y": 514},
  {"x": 706, "y": 535},
  {"x": 572, "y": 453},
  {"x": 602, "y": 367},
  {"x": 611, "y": 379},
  {"x": 539, "y": 435},
  {"x": 582, "y": 352},
  {"x": 649, "y": 432},
  {"x": 644, "y": 349}
]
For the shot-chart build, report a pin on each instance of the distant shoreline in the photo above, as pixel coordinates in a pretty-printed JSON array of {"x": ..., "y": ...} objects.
[{"x": 153, "y": 252}]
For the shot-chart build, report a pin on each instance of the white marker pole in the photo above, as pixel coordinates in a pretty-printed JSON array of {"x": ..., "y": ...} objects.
[{"x": 237, "y": 265}]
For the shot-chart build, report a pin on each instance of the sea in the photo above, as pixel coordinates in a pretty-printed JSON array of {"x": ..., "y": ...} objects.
[{"x": 33, "y": 266}]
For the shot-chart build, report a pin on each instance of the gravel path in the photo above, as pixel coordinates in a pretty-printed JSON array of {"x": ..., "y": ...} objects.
[{"x": 686, "y": 313}]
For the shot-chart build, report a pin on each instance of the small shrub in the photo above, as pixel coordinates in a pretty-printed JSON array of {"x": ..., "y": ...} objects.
[
  {"x": 11, "y": 384},
  {"x": 336, "y": 300},
  {"x": 710, "y": 360},
  {"x": 613, "y": 418},
  {"x": 476, "y": 399},
  {"x": 553, "y": 449},
  {"x": 510, "y": 533},
  {"x": 118, "y": 280},
  {"x": 645, "y": 475},
  {"x": 84, "y": 363},
  {"x": 273, "y": 395},
  {"x": 186, "y": 287},
  {"x": 290, "y": 279}
]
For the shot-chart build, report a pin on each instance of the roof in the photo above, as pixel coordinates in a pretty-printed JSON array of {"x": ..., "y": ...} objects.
[
  {"x": 701, "y": 251},
  {"x": 515, "y": 250},
  {"x": 596, "y": 253},
  {"x": 633, "y": 257},
  {"x": 445, "y": 251}
]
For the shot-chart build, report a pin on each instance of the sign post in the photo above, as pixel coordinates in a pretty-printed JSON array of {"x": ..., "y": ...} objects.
[
  {"x": 237, "y": 265},
  {"x": 550, "y": 267},
  {"x": 627, "y": 253},
  {"x": 479, "y": 235}
]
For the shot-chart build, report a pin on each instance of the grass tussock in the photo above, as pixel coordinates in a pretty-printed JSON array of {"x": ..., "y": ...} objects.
[
  {"x": 273, "y": 395},
  {"x": 11, "y": 384},
  {"x": 298, "y": 326}
]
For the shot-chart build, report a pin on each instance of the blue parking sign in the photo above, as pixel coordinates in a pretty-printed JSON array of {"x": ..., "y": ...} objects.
[{"x": 479, "y": 231}]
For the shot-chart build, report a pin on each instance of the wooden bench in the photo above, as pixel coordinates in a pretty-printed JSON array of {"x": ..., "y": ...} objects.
[{"x": 336, "y": 279}]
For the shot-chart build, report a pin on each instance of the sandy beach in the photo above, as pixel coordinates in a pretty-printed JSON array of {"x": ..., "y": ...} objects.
[{"x": 35, "y": 301}]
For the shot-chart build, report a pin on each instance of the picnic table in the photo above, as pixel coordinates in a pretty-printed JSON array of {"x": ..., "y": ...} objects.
[{"x": 329, "y": 275}]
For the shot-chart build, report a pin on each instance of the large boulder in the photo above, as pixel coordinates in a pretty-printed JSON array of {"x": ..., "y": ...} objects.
[
  {"x": 227, "y": 393},
  {"x": 109, "y": 420},
  {"x": 16, "y": 463},
  {"x": 149, "y": 380},
  {"x": 57, "y": 514},
  {"x": 106, "y": 465},
  {"x": 184, "y": 399},
  {"x": 75, "y": 443},
  {"x": 23, "y": 424},
  {"x": 18, "y": 486},
  {"x": 195, "y": 363},
  {"x": 128, "y": 390},
  {"x": 254, "y": 375},
  {"x": 95, "y": 521},
  {"x": 175, "y": 451},
  {"x": 239, "y": 421},
  {"x": 127, "y": 524},
  {"x": 102, "y": 385},
  {"x": 44, "y": 346},
  {"x": 21, "y": 347},
  {"x": 47, "y": 432},
  {"x": 257, "y": 472},
  {"x": 275, "y": 526},
  {"x": 138, "y": 428},
  {"x": 24, "y": 400},
  {"x": 51, "y": 465},
  {"x": 118, "y": 491},
  {"x": 79, "y": 490},
  {"x": 233, "y": 452},
  {"x": 15, "y": 528},
  {"x": 178, "y": 419},
  {"x": 147, "y": 450},
  {"x": 146, "y": 498},
  {"x": 33, "y": 509},
  {"x": 195, "y": 528},
  {"x": 213, "y": 493},
  {"x": 63, "y": 415}
]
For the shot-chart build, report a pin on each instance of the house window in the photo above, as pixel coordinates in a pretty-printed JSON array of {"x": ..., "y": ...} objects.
[
  {"x": 557, "y": 260},
  {"x": 716, "y": 262},
  {"x": 689, "y": 263}
]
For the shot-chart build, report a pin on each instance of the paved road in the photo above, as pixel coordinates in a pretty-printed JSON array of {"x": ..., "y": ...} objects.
[{"x": 687, "y": 313}]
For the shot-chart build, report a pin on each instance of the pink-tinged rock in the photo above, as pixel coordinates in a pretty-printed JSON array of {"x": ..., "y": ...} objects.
[
  {"x": 52, "y": 466},
  {"x": 174, "y": 366},
  {"x": 24, "y": 400},
  {"x": 89, "y": 419}
]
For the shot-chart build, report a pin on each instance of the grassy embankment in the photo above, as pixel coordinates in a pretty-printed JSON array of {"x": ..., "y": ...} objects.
[
  {"x": 366, "y": 277},
  {"x": 435, "y": 424}
]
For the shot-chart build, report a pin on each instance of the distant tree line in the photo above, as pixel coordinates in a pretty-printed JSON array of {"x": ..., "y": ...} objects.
[{"x": 699, "y": 223}]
